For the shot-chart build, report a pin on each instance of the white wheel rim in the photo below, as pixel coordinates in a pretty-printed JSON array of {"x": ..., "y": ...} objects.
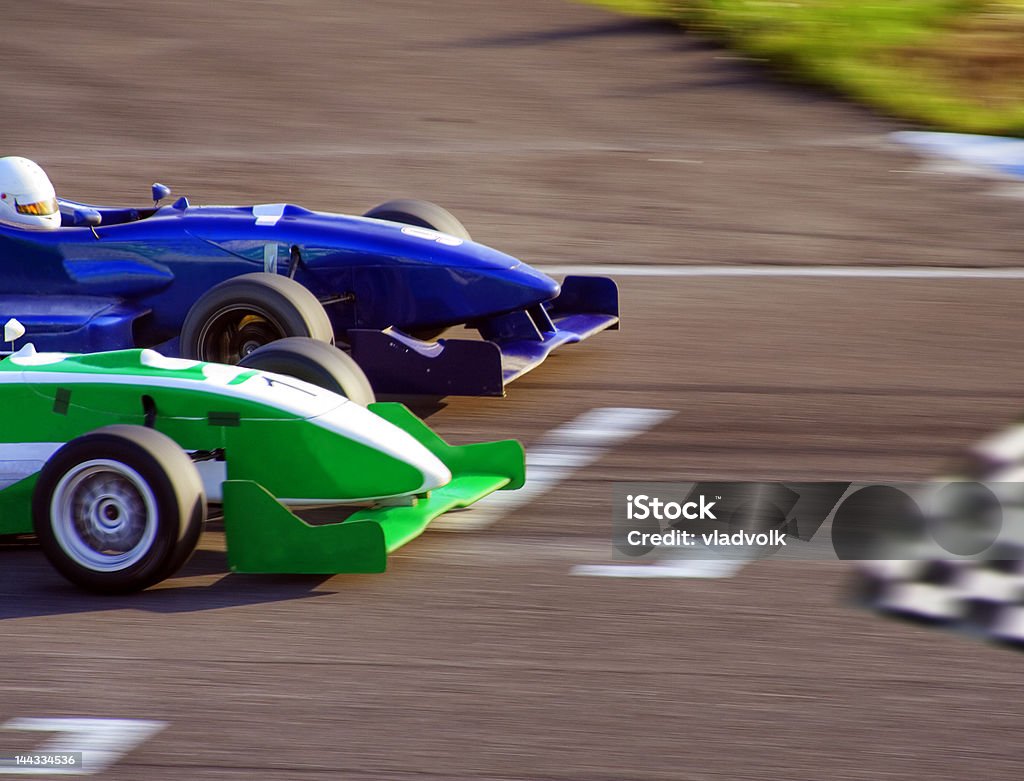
[{"x": 104, "y": 516}]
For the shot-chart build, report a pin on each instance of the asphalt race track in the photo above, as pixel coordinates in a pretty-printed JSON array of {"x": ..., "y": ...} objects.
[{"x": 569, "y": 137}]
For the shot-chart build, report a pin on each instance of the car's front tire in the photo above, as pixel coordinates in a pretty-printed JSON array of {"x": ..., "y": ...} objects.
[
  {"x": 119, "y": 509},
  {"x": 314, "y": 362},
  {"x": 422, "y": 214},
  {"x": 244, "y": 313}
]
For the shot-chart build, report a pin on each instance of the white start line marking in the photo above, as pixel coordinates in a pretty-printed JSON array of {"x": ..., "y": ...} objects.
[
  {"x": 560, "y": 453},
  {"x": 681, "y": 568},
  {"x": 101, "y": 742},
  {"x": 1002, "y": 449}
]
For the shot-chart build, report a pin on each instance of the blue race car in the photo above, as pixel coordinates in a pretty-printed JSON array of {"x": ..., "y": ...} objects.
[{"x": 216, "y": 283}]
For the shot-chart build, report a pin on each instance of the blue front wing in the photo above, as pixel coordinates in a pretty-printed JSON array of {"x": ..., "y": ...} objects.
[{"x": 512, "y": 344}]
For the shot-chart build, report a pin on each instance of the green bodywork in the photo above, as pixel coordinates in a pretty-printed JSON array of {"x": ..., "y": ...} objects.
[
  {"x": 361, "y": 542},
  {"x": 271, "y": 452}
]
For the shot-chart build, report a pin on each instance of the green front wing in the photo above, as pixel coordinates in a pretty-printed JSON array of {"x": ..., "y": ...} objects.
[{"x": 263, "y": 536}]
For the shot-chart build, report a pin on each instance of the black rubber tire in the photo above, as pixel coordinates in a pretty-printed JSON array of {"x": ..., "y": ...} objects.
[
  {"x": 177, "y": 513},
  {"x": 425, "y": 214},
  {"x": 314, "y": 362},
  {"x": 275, "y": 306}
]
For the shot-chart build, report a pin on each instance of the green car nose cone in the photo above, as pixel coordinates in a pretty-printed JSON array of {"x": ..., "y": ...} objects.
[{"x": 265, "y": 537}]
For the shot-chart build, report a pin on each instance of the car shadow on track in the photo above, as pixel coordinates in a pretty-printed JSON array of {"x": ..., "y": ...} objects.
[
  {"x": 610, "y": 29},
  {"x": 704, "y": 63},
  {"x": 30, "y": 587}
]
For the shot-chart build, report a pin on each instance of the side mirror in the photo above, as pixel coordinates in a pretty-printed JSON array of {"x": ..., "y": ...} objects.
[
  {"x": 13, "y": 330},
  {"x": 160, "y": 191},
  {"x": 87, "y": 217}
]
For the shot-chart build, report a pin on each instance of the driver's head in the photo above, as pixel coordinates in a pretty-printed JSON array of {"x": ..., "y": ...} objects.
[{"x": 26, "y": 196}]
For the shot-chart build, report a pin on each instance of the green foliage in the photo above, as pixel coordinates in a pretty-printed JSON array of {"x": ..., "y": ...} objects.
[{"x": 953, "y": 64}]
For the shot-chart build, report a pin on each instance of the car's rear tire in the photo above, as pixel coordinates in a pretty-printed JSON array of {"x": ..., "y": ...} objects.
[
  {"x": 314, "y": 362},
  {"x": 423, "y": 214},
  {"x": 119, "y": 509},
  {"x": 244, "y": 313}
]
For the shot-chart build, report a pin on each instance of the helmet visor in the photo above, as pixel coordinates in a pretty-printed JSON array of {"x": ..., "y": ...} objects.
[{"x": 39, "y": 208}]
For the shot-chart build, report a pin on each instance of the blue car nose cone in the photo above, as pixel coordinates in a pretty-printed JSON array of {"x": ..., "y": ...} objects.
[{"x": 535, "y": 286}]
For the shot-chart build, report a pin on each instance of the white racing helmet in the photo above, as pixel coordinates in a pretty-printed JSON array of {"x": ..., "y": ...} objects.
[{"x": 26, "y": 196}]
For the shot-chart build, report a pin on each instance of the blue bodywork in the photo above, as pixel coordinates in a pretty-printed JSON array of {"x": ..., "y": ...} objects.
[{"x": 131, "y": 280}]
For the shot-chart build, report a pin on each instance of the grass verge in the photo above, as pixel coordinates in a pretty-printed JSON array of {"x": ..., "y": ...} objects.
[{"x": 952, "y": 64}]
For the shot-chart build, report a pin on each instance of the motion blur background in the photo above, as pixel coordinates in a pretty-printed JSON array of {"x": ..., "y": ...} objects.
[{"x": 570, "y": 136}]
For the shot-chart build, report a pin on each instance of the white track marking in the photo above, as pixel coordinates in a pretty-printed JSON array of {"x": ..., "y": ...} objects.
[
  {"x": 560, "y": 453},
  {"x": 101, "y": 741},
  {"x": 998, "y": 153},
  {"x": 863, "y": 272},
  {"x": 681, "y": 568},
  {"x": 947, "y": 167},
  {"x": 1003, "y": 448}
]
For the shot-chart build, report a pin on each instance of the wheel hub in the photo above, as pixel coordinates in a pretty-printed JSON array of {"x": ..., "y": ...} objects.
[
  {"x": 104, "y": 515},
  {"x": 234, "y": 333},
  {"x": 109, "y": 516},
  {"x": 109, "y": 513}
]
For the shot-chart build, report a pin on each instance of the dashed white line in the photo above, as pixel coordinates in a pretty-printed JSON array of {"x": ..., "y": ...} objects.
[
  {"x": 560, "y": 453},
  {"x": 1002, "y": 449},
  {"x": 682, "y": 568},
  {"x": 102, "y": 742}
]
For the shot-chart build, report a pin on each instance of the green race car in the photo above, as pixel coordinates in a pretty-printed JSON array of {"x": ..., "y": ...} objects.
[{"x": 110, "y": 460}]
